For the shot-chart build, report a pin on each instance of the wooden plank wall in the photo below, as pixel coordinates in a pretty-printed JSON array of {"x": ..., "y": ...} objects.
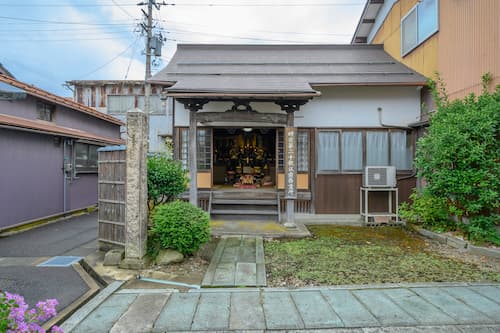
[
  {"x": 111, "y": 198},
  {"x": 339, "y": 194}
]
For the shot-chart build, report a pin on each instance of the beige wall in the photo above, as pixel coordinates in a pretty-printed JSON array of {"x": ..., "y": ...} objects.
[
  {"x": 469, "y": 44},
  {"x": 466, "y": 46},
  {"x": 424, "y": 58}
]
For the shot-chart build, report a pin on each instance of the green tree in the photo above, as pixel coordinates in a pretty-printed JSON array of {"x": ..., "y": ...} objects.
[
  {"x": 459, "y": 157},
  {"x": 166, "y": 179}
]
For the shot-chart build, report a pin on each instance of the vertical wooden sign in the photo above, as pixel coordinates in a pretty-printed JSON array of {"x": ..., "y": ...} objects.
[{"x": 290, "y": 163}]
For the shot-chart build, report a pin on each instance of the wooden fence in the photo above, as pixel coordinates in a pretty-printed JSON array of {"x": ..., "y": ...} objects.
[{"x": 111, "y": 197}]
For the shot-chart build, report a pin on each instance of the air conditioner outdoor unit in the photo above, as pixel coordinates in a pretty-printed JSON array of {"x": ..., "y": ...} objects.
[{"x": 379, "y": 176}]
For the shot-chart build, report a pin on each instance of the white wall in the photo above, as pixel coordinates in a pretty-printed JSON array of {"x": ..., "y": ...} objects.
[
  {"x": 357, "y": 107},
  {"x": 339, "y": 107}
]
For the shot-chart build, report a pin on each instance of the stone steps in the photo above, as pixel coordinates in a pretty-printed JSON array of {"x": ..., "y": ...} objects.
[{"x": 252, "y": 205}]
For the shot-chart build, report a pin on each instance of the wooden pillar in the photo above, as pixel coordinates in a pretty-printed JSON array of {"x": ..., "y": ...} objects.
[
  {"x": 193, "y": 164},
  {"x": 290, "y": 106},
  {"x": 193, "y": 105}
]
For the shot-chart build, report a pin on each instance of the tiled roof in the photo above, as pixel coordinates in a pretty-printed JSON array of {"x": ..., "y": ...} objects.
[
  {"x": 45, "y": 95},
  {"x": 280, "y": 69},
  {"x": 49, "y": 128}
]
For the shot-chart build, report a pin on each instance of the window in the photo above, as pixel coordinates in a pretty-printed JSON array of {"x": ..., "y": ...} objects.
[
  {"x": 120, "y": 104},
  {"x": 328, "y": 151},
  {"x": 303, "y": 151},
  {"x": 155, "y": 104},
  {"x": 45, "y": 111},
  {"x": 85, "y": 158},
  {"x": 204, "y": 146},
  {"x": 419, "y": 24},
  {"x": 377, "y": 148},
  {"x": 281, "y": 151},
  {"x": 401, "y": 150},
  {"x": 204, "y": 150},
  {"x": 184, "y": 149},
  {"x": 352, "y": 151}
]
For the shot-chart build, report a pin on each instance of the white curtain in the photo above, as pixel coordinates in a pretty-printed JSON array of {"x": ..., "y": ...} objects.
[
  {"x": 401, "y": 152},
  {"x": 377, "y": 148},
  {"x": 328, "y": 151},
  {"x": 352, "y": 151}
]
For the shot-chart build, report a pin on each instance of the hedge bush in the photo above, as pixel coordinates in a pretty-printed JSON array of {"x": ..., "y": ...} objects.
[
  {"x": 426, "y": 209},
  {"x": 166, "y": 179},
  {"x": 459, "y": 159},
  {"x": 180, "y": 226}
]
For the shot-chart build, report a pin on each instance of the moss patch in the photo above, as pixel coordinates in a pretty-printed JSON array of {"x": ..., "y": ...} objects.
[{"x": 360, "y": 255}]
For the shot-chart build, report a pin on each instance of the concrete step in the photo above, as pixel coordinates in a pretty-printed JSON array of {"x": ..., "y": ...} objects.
[
  {"x": 264, "y": 202},
  {"x": 245, "y": 194},
  {"x": 246, "y": 218},
  {"x": 245, "y": 207},
  {"x": 243, "y": 212}
]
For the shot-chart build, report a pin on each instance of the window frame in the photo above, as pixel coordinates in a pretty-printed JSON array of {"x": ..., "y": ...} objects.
[
  {"x": 208, "y": 149},
  {"x": 121, "y": 113},
  {"x": 329, "y": 172},
  {"x": 419, "y": 41},
  {"x": 87, "y": 168},
  {"x": 160, "y": 111},
  {"x": 43, "y": 109},
  {"x": 364, "y": 131}
]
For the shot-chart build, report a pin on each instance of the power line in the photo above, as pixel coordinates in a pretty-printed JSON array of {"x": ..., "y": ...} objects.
[
  {"x": 182, "y": 31},
  {"x": 194, "y": 4},
  {"x": 58, "y": 22},
  {"x": 111, "y": 60},
  {"x": 120, "y": 6},
  {"x": 55, "y": 40}
]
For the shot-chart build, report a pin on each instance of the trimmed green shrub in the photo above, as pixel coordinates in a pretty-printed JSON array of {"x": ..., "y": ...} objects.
[
  {"x": 180, "y": 226},
  {"x": 166, "y": 179},
  {"x": 482, "y": 229},
  {"x": 426, "y": 209}
]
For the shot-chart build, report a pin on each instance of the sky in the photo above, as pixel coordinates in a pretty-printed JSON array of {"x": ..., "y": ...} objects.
[{"x": 49, "y": 42}]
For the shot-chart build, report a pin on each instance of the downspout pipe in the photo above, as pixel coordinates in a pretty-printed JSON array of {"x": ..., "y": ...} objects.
[
  {"x": 64, "y": 176},
  {"x": 379, "y": 110}
]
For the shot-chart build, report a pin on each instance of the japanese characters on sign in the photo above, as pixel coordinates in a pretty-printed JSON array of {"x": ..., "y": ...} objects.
[{"x": 290, "y": 163}]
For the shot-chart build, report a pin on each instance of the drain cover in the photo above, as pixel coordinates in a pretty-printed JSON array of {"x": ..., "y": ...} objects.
[{"x": 60, "y": 261}]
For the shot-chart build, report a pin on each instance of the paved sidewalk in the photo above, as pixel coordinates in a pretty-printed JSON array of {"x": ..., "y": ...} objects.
[
  {"x": 416, "y": 308},
  {"x": 237, "y": 262}
]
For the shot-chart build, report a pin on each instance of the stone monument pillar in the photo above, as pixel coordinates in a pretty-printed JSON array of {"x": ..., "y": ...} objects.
[{"x": 136, "y": 210}]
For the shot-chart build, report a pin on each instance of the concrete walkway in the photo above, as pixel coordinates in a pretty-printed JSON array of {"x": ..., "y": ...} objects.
[
  {"x": 237, "y": 262},
  {"x": 414, "y": 308}
]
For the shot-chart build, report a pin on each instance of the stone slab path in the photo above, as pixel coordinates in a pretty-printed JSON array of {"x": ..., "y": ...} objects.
[
  {"x": 238, "y": 261},
  {"x": 414, "y": 308}
]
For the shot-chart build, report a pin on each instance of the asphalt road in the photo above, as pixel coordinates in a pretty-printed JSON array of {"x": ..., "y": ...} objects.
[
  {"x": 74, "y": 236},
  {"x": 19, "y": 255}
]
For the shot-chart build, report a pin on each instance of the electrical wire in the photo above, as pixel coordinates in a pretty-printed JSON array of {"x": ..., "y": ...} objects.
[
  {"x": 111, "y": 60},
  {"x": 58, "y": 22}
]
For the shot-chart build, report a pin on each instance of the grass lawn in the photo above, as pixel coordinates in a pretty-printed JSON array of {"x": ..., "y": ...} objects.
[{"x": 360, "y": 255}]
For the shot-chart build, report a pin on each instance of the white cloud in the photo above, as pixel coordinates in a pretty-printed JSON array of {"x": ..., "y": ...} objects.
[{"x": 49, "y": 64}]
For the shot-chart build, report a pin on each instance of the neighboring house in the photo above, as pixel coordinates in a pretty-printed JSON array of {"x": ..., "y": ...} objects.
[
  {"x": 116, "y": 97},
  {"x": 458, "y": 39},
  {"x": 48, "y": 152},
  {"x": 350, "y": 105}
]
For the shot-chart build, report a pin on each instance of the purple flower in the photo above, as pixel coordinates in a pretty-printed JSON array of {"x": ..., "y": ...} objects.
[{"x": 56, "y": 329}]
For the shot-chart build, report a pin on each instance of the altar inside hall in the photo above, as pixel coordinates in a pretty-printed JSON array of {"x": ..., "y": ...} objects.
[{"x": 244, "y": 157}]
